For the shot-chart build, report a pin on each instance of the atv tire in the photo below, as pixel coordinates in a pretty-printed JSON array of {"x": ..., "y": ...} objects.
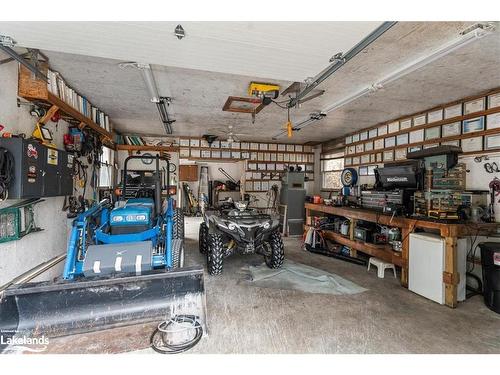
[
  {"x": 215, "y": 254},
  {"x": 203, "y": 238},
  {"x": 277, "y": 256},
  {"x": 177, "y": 253},
  {"x": 178, "y": 227}
]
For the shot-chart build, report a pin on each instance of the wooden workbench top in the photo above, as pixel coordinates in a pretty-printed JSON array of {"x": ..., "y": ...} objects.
[{"x": 446, "y": 228}]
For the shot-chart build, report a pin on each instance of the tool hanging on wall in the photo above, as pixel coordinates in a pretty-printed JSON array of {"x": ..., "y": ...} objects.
[{"x": 6, "y": 172}]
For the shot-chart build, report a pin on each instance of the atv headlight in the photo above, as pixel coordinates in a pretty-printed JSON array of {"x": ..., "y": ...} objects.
[
  {"x": 231, "y": 226},
  {"x": 266, "y": 225}
]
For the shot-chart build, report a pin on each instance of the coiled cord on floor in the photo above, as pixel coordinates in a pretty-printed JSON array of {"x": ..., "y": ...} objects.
[{"x": 159, "y": 340}]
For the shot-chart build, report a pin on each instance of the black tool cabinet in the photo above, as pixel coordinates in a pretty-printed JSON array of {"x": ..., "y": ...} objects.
[{"x": 39, "y": 171}]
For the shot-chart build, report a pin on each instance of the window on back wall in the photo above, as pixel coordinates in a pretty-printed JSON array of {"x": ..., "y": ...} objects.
[
  {"x": 332, "y": 165},
  {"x": 106, "y": 172}
]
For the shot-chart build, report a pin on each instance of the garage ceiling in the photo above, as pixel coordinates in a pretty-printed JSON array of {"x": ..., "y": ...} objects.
[{"x": 216, "y": 60}]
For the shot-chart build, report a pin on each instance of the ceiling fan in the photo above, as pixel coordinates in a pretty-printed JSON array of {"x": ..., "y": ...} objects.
[{"x": 228, "y": 132}]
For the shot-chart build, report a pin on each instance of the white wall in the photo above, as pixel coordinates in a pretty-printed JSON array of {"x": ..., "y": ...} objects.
[{"x": 17, "y": 257}]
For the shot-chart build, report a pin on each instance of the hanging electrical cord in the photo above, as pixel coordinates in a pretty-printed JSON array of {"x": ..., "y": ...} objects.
[
  {"x": 159, "y": 338},
  {"x": 6, "y": 172}
]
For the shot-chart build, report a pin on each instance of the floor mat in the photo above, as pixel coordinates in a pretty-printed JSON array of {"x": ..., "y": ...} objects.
[{"x": 297, "y": 276}]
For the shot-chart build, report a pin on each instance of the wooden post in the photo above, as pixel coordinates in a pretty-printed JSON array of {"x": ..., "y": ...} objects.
[
  {"x": 354, "y": 252},
  {"x": 405, "y": 254},
  {"x": 451, "y": 277}
]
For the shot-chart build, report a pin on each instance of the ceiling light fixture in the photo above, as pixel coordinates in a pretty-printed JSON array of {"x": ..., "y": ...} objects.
[
  {"x": 469, "y": 35},
  {"x": 179, "y": 32},
  {"x": 339, "y": 59},
  {"x": 162, "y": 103}
]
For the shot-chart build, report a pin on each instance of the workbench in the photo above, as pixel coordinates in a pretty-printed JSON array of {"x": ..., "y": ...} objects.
[{"x": 449, "y": 231}]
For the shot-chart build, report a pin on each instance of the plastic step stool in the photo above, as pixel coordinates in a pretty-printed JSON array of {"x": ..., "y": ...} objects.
[{"x": 381, "y": 266}]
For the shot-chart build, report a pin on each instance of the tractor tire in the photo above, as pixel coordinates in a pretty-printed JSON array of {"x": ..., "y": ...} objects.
[
  {"x": 277, "y": 256},
  {"x": 203, "y": 238},
  {"x": 178, "y": 227},
  {"x": 215, "y": 254},
  {"x": 177, "y": 253}
]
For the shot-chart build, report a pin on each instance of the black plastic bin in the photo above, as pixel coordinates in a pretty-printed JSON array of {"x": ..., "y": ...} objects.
[{"x": 490, "y": 260}]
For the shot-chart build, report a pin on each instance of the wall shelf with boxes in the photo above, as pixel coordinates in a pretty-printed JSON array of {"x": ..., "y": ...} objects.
[
  {"x": 57, "y": 96},
  {"x": 264, "y": 161},
  {"x": 472, "y": 123}
]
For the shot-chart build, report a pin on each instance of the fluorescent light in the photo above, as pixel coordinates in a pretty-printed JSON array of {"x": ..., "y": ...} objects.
[
  {"x": 475, "y": 32},
  {"x": 149, "y": 80}
]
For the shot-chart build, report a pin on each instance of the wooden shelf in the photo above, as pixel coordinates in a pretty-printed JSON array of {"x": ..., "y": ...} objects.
[
  {"x": 432, "y": 124},
  {"x": 35, "y": 90},
  {"x": 147, "y": 148}
]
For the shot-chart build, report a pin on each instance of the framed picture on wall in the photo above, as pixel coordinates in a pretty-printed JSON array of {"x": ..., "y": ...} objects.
[
  {"x": 451, "y": 143},
  {"x": 225, "y": 154},
  {"x": 363, "y": 136},
  {"x": 432, "y": 133},
  {"x": 406, "y": 124},
  {"x": 400, "y": 154},
  {"x": 472, "y": 144},
  {"x": 450, "y": 130},
  {"x": 355, "y": 137},
  {"x": 216, "y": 154},
  {"x": 194, "y": 142},
  {"x": 493, "y": 121},
  {"x": 363, "y": 171},
  {"x": 382, "y": 130},
  {"x": 184, "y": 152},
  {"x": 365, "y": 159},
  {"x": 434, "y": 116},
  {"x": 355, "y": 160},
  {"x": 281, "y": 147},
  {"x": 393, "y": 127},
  {"x": 476, "y": 105},
  {"x": 244, "y": 145},
  {"x": 368, "y": 146},
  {"x": 205, "y": 154},
  {"x": 473, "y": 125},
  {"x": 379, "y": 157},
  {"x": 492, "y": 142},
  {"x": 254, "y": 146},
  {"x": 378, "y": 144},
  {"x": 372, "y": 133},
  {"x": 273, "y": 146},
  {"x": 184, "y": 142},
  {"x": 371, "y": 170},
  {"x": 453, "y": 111},
  {"x": 417, "y": 136},
  {"x": 360, "y": 148},
  {"x": 236, "y": 154},
  {"x": 494, "y": 100},
  {"x": 348, "y": 139},
  {"x": 195, "y": 153},
  {"x": 388, "y": 155},
  {"x": 390, "y": 142},
  {"x": 420, "y": 120},
  {"x": 402, "y": 139},
  {"x": 263, "y": 146},
  {"x": 347, "y": 161}
]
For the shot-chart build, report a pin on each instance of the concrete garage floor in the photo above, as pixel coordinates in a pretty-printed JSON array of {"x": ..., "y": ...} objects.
[{"x": 245, "y": 319}]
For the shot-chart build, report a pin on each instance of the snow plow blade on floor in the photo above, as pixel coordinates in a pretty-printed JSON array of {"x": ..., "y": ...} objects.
[{"x": 71, "y": 307}]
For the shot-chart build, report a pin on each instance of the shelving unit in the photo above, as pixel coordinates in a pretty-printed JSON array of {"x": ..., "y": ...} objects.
[
  {"x": 35, "y": 90},
  {"x": 132, "y": 148},
  {"x": 450, "y": 232},
  {"x": 376, "y": 154}
]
